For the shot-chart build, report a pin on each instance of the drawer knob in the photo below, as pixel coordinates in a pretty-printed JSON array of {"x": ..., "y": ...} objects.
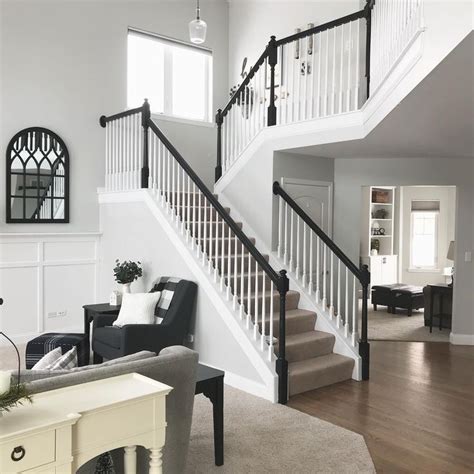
[{"x": 18, "y": 453}]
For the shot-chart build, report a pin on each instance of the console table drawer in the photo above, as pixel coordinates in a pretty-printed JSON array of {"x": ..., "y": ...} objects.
[{"x": 32, "y": 451}]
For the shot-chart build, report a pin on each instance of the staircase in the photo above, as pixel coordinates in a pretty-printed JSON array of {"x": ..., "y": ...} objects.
[{"x": 311, "y": 361}]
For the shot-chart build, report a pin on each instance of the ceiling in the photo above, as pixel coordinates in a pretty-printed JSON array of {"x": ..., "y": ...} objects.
[{"x": 435, "y": 120}]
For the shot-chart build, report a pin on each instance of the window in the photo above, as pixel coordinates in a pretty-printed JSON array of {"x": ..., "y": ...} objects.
[
  {"x": 424, "y": 240},
  {"x": 174, "y": 76}
]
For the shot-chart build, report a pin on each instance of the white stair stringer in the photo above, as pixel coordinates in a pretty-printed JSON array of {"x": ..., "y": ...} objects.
[
  {"x": 199, "y": 267},
  {"x": 343, "y": 344}
]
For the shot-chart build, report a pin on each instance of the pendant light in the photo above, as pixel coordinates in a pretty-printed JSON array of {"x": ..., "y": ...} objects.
[{"x": 197, "y": 28}]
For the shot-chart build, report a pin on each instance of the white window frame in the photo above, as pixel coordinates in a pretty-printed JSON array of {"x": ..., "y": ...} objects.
[
  {"x": 167, "y": 113},
  {"x": 430, "y": 268}
]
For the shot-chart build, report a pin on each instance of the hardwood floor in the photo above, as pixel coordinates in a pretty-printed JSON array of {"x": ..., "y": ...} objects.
[{"x": 416, "y": 412}]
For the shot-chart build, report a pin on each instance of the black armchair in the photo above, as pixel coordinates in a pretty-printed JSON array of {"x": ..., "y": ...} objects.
[{"x": 111, "y": 342}]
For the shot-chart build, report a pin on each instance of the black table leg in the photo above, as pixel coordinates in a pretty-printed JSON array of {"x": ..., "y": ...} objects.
[{"x": 215, "y": 393}]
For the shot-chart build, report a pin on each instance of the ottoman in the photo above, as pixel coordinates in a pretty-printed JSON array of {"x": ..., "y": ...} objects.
[
  {"x": 398, "y": 295},
  {"x": 41, "y": 345},
  {"x": 382, "y": 295}
]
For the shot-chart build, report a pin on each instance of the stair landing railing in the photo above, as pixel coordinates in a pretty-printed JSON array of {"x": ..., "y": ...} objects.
[
  {"x": 327, "y": 70},
  {"x": 138, "y": 155},
  {"x": 324, "y": 271}
]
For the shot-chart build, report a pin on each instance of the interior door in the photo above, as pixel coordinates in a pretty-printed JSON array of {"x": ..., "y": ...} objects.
[{"x": 315, "y": 198}]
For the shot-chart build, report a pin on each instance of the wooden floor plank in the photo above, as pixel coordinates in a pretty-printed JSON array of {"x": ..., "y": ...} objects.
[{"x": 416, "y": 412}]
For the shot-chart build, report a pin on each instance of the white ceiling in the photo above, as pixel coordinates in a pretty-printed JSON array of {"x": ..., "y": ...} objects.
[{"x": 435, "y": 120}]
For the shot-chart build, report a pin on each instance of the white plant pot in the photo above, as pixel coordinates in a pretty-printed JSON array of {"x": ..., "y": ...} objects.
[{"x": 126, "y": 288}]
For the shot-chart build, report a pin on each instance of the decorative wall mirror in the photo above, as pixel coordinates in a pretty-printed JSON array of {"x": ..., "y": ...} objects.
[{"x": 37, "y": 177}]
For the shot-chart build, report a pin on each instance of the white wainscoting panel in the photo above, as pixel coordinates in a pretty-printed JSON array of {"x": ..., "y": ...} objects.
[{"x": 45, "y": 279}]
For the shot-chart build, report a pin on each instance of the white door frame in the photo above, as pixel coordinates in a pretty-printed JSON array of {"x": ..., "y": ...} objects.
[{"x": 310, "y": 182}]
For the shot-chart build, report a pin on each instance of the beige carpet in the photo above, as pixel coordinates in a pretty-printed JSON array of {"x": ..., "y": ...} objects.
[
  {"x": 262, "y": 437},
  {"x": 400, "y": 327}
]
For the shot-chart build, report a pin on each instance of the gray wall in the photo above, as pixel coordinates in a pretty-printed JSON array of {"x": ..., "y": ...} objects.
[
  {"x": 353, "y": 173},
  {"x": 64, "y": 63}
]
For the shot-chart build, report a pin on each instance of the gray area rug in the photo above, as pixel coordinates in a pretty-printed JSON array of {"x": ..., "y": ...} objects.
[
  {"x": 262, "y": 437},
  {"x": 385, "y": 326}
]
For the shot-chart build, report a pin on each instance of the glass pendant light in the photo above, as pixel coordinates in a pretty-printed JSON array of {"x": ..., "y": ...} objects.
[{"x": 197, "y": 28}]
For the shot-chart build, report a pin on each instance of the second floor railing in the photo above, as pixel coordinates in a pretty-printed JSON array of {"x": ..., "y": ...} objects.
[{"x": 324, "y": 71}]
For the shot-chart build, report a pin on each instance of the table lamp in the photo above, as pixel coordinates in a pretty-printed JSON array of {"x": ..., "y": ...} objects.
[{"x": 450, "y": 256}]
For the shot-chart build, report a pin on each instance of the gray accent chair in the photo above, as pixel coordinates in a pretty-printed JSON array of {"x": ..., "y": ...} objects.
[{"x": 175, "y": 366}]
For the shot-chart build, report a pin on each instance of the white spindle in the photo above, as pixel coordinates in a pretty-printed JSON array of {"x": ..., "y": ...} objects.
[
  {"x": 280, "y": 225},
  {"x": 325, "y": 300},
  {"x": 255, "y": 312},
  {"x": 331, "y": 284},
  {"x": 310, "y": 284},
  {"x": 346, "y": 306},
  {"x": 205, "y": 241},
  {"x": 349, "y": 69},
  {"x": 318, "y": 272},
  {"x": 229, "y": 266},
  {"x": 298, "y": 246},
  {"x": 236, "y": 257},
  {"x": 249, "y": 290},
  {"x": 242, "y": 294},
  {"x": 286, "y": 256},
  {"x": 270, "y": 329},
  {"x": 304, "y": 276},
  {"x": 292, "y": 214},
  {"x": 355, "y": 315}
]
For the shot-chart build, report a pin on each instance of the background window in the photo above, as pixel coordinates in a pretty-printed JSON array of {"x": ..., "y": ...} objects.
[
  {"x": 175, "y": 77},
  {"x": 424, "y": 239}
]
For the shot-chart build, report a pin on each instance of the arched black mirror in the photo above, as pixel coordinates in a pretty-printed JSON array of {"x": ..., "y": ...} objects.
[{"x": 37, "y": 177}]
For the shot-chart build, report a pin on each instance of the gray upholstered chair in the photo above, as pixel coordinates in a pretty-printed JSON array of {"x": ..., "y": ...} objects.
[{"x": 110, "y": 342}]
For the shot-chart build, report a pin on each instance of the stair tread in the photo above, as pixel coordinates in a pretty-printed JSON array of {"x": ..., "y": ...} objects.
[
  {"x": 317, "y": 364},
  {"x": 308, "y": 336}
]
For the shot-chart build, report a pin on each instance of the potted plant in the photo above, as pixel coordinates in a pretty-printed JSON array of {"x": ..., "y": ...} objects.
[{"x": 126, "y": 273}]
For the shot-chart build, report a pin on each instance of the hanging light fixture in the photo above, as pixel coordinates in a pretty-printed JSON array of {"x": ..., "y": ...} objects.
[{"x": 197, "y": 28}]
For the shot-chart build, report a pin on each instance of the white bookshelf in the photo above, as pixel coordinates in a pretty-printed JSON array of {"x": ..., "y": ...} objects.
[{"x": 378, "y": 231}]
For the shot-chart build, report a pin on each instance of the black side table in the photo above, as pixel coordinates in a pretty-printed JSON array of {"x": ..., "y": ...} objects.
[
  {"x": 441, "y": 290},
  {"x": 210, "y": 382},
  {"x": 90, "y": 310}
]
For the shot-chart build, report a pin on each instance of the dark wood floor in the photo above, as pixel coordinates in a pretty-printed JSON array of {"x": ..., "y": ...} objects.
[{"x": 416, "y": 412}]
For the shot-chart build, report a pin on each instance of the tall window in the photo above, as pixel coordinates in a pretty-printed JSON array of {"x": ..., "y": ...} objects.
[
  {"x": 175, "y": 77},
  {"x": 424, "y": 235}
]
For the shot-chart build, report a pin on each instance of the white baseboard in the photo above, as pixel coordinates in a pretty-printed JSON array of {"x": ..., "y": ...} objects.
[
  {"x": 249, "y": 386},
  {"x": 461, "y": 339}
]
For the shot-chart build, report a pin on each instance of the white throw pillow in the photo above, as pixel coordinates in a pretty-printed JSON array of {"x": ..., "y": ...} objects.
[
  {"x": 48, "y": 359},
  {"x": 65, "y": 362},
  {"x": 138, "y": 308}
]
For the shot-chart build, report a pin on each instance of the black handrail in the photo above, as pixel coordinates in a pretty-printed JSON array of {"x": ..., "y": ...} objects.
[
  {"x": 279, "y": 191},
  {"x": 325, "y": 26},
  {"x": 273, "y": 275},
  {"x": 103, "y": 120},
  {"x": 362, "y": 274}
]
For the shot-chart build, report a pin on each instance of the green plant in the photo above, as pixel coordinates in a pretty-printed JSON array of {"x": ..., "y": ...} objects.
[
  {"x": 127, "y": 271},
  {"x": 17, "y": 395}
]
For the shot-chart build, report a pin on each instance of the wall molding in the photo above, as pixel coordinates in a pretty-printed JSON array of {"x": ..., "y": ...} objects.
[
  {"x": 461, "y": 339},
  {"x": 43, "y": 274}
]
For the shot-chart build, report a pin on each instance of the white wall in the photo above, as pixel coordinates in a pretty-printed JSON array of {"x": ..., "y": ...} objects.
[
  {"x": 251, "y": 23},
  {"x": 42, "y": 275},
  {"x": 446, "y": 227},
  {"x": 63, "y": 64},
  {"x": 353, "y": 173}
]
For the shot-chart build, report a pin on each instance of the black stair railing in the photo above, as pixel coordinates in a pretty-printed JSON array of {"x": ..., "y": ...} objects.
[
  {"x": 330, "y": 252},
  {"x": 258, "y": 94},
  {"x": 163, "y": 169}
]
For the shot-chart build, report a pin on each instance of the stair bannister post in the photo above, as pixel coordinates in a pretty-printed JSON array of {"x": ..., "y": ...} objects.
[
  {"x": 368, "y": 15},
  {"x": 364, "y": 346},
  {"x": 272, "y": 62},
  {"x": 282, "y": 363},
  {"x": 146, "y": 115},
  {"x": 219, "y": 121}
]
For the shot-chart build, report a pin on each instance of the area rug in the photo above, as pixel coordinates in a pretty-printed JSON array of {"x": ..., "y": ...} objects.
[
  {"x": 385, "y": 326},
  {"x": 262, "y": 437}
]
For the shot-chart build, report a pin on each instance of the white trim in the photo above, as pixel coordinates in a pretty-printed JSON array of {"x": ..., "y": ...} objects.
[
  {"x": 185, "y": 121},
  {"x": 461, "y": 339}
]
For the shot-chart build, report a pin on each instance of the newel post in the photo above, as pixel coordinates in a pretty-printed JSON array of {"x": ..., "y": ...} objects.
[
  {"x": 368, "y": 17},
  {"x": 146, "y": 115},
  {"x": 281, "y": 362},
  {"x": 219, "y": 121},
  {"x": 364, "y": 346},
  {"x": 272, "y": 62}
]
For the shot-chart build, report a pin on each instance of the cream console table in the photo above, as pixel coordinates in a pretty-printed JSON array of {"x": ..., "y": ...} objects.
[{"x": 65, "y": 428}]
